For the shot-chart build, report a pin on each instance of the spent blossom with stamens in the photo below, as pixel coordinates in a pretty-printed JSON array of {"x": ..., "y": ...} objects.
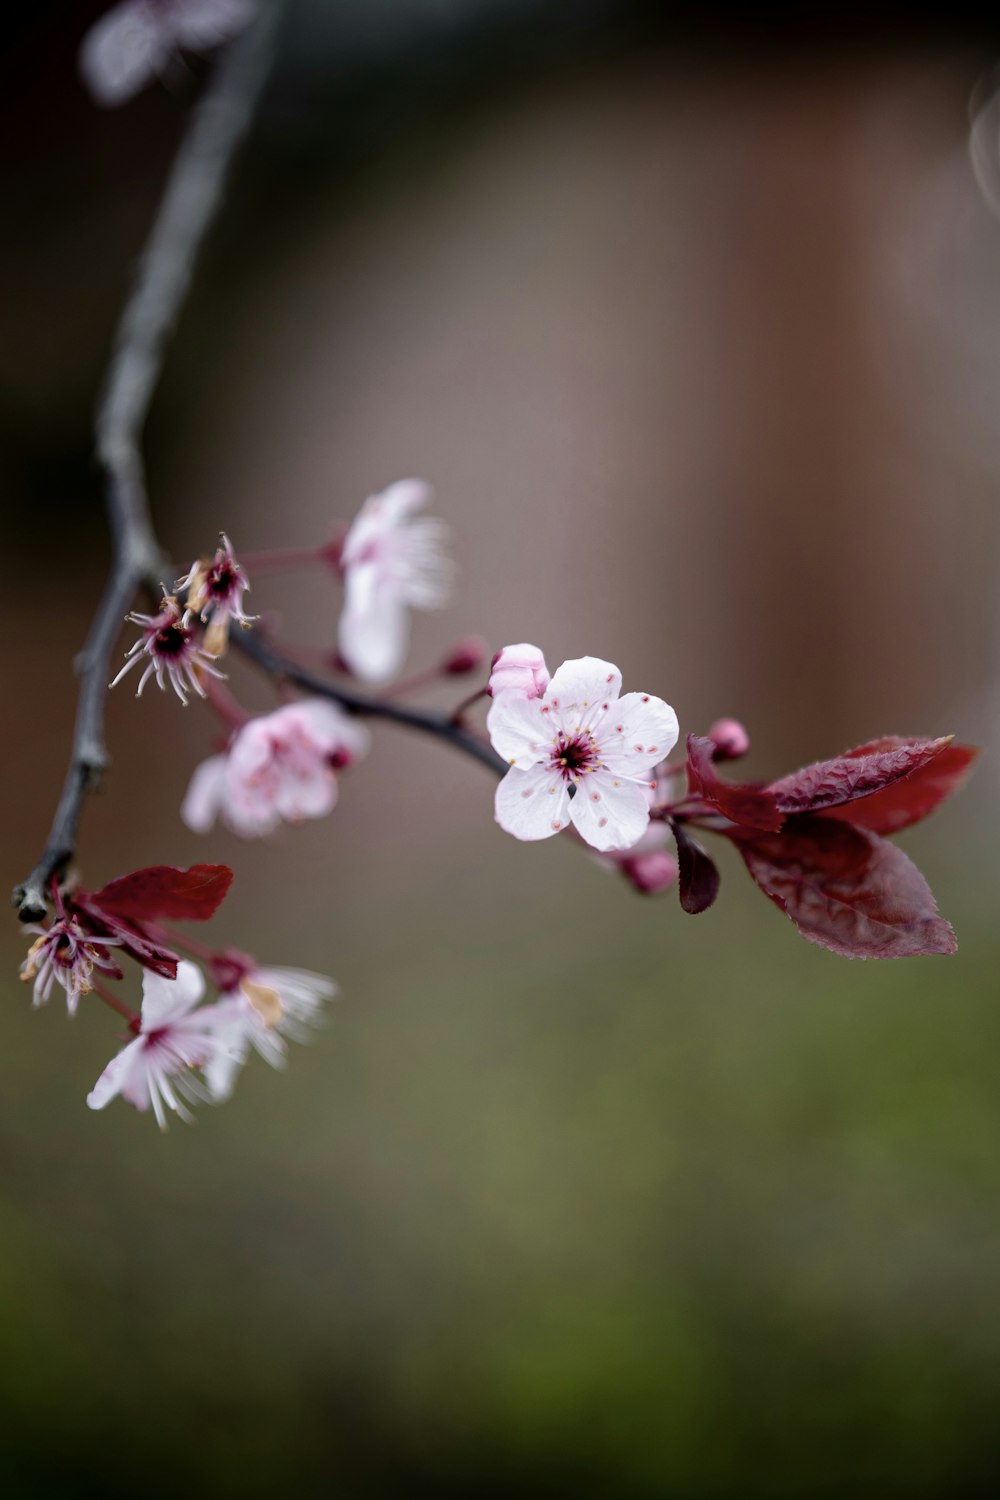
[
  {"x": 215, "y": 588},
  {"x": 391, "y": 561},
  {"x": 133, "y": 42},
  {"x": 171, "y": 650},
  {"x": 281, "y": 767},
  {"x": 266, "y": 1006},
  {"x": 175, "y": 1037},
  {"x": 520, "y": 670},
  {"x": 580, "y": 755},
  {"x": 64, "y": 954}
]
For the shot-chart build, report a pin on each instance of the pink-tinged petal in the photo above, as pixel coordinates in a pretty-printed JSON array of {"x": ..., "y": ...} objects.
[
  {"x": 252, "y": 749},
  {"x": 203, "y": 798},
  {"x": 122, "y": 51},
  {"x": 206, "y": 23},
  {"x": 582, "y": 684},
  {"x": 402, "y": 498},
  {"x": 373, "y": 640},
  {"x": 608, "y": 812},
  {"x": 637, "y": 733},
  {"x": 166, "y": 1000},
  {"x": 520, "y": 670},
  {"x": 332, "y": 728},
  {"x": 223, "y": 1068},
  {"x": 519, "y": 730},
  {"x": 114, "y": 1076},
  {"x": 532, "y": 804},
  {"x": 306, "y": 797}
]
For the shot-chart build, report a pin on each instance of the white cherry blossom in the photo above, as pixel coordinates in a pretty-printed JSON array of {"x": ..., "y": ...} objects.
[
  {"x": 266, "y": 1006},
  {"x": 175, "y": 1037},
  {"x": 280, "y": 767},
  {"x": 392, "y": 561},
  {"x": 133, "y": 42},
  {"x": 580, "y": 755}
]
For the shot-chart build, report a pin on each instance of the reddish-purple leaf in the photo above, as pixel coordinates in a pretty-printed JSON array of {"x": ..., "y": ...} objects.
[
  {"x": 131, "y": 939},
  {"x": 750, "y": 806},
  {"x": 698, "y": 877},
  {"x": 857, "y": 773},
  {"x": 846, "y": 889},
  {"x": 917, "y": 795},
  {"x": 164, "y": 893}
]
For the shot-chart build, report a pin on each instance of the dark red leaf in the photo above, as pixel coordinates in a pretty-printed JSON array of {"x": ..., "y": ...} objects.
[
  {"x": 131, "y": 939},
  {"x": 750, "y": 806},
  {"x": 164, "y": 893},
  {"x": 698, "y": 877},
  {"x": 913, "y": 798},
  {"x": 846, "y": 889},
  {"x": 857, "y": 773}
]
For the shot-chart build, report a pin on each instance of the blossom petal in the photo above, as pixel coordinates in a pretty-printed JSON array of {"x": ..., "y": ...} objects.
[
  {"x": 165, "y": 1000},
  {"x": 203, "y": 798},
  {"x": 586, "y": 682},
  {"x": 373, "y": 637},
  {"x": 332, "y": 727},
  {"x": 122, "y": 51},
  {"x": 532, "y": 804},
  {"x": 637, "y": 734},
  {"x": 113, "y": 1078},
  {"x": 310, "y": 796},
  {"x": 519, "y": 730},
  {"x": 205, "y": 23},
  {"x": 608, "y": 812}
]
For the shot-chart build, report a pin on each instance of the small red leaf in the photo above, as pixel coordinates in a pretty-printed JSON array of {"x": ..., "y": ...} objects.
[
  {"x": 915, "y": 797},
  {"x": 857, "y": 773},
  {"x": 846, "y": 889},
  {"x": 164, "y": 893},
  {"x": 697, "y": 874},
  {"x": 750, "y": 806}
]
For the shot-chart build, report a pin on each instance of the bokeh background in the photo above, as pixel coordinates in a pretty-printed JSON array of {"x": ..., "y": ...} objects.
[{"x": 694, "y": 323}]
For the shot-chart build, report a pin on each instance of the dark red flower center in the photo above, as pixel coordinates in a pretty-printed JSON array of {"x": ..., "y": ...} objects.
[{"x": 573, "y": 756}]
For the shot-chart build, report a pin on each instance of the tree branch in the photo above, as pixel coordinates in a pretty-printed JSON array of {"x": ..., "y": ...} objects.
[
  {"x": 191, "y": 200},
  {"x": 267, "y": 656}
]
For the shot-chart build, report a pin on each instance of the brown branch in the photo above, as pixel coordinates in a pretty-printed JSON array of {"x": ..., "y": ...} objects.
[{"x": 190, "y": 203}]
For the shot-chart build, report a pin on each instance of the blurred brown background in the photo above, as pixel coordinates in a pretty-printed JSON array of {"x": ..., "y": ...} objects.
[{"x": 695, "y": 328}]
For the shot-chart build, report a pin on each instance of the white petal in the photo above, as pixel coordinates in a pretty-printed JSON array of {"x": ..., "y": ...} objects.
[
  {"x": 122, "y": 51},
  {"x": 637, "y": 734},
  {"x": 583, "y": 683},
  {"x": 332, "y": 728},
  {"x": 111, "y": 1080},
  {"x": 532, "y": 804},
  {"x": 373, "y": 639},
  {"x": 519, "y": 729},
  {"x": 203, "y": 798},
  {"x": 222, "y": 1070},
  {"x": 608, "y": 812},
  {"x": 165, "y": 1000},
  {"x": 205, "y": 23},
  {"x": 299, "y": 797}
]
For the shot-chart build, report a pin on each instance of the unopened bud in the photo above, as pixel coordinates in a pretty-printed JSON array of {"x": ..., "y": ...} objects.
[
  {"x": 467, "y": 655},
  {"x": 650, "y": 872},
  {"x": 520, "y": 670},
  {"x": 730, "y": 739}
]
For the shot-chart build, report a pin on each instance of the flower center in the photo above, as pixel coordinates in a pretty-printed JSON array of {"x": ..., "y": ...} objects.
[
  {"x": 573, "y": 756},
  {"x": 171, "y": 640}
]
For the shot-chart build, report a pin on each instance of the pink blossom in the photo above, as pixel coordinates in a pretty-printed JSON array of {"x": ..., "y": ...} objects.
[
  {"x": 520, "y": 670},
  {"x": 135, "y": 40},
  {"x": 281, "y": 767},
  {"x": 174, "y": 1038},
  {"x": 580, "y": 754},
  {"x": 647, "y": 866},
  {"x": 266, "y": 1005},
  {"x": 215, "y": 590},
  {"x": 169, "y": 645},
  {"x": 391, "y": 562},
  {"x": 730, "y": 738},
  {"x": 64, "y": 954}
]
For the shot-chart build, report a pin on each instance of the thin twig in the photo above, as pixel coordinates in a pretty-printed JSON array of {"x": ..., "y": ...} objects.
[
  {"x": 191, "y": 200},
  {"x": 267, "y": 656}
]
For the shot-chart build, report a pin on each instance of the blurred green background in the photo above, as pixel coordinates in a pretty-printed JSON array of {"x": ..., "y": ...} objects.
[{"x": 697, "y": 334}]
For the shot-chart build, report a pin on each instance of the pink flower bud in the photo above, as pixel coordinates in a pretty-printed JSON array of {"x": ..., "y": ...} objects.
[
  {"x": 467, "y": 655},
  {"x": 650, "y": 872},
  {"x": 519, "y": 670},
  {"x": 730, "y": 739}
]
